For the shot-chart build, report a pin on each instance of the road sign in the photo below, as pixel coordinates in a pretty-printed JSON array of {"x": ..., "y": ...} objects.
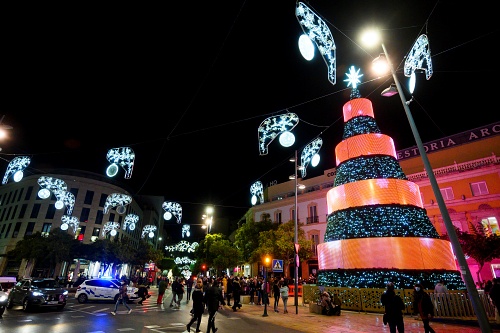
[{"x": 277, "y": 266}]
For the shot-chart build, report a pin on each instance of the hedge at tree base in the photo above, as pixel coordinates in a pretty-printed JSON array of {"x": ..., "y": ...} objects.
[{"x": 378, "y": 278}]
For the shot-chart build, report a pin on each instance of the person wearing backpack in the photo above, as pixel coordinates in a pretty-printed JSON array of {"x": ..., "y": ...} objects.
[{"x": 394, "y": 307}]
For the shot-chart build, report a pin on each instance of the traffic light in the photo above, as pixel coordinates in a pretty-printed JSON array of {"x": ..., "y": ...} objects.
[{"x": 203, "y": 267}]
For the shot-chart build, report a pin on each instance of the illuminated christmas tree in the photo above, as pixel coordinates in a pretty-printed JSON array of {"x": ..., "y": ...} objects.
[{"x": 378, "y": 230}]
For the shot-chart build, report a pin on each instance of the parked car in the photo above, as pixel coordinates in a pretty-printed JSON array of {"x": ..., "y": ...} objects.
[
  {"x": 7, "y": 283},
  {"x": 103, "y": 290},
  {"x": 3, "y": 301},
  {"x": 37, "y": 293}
]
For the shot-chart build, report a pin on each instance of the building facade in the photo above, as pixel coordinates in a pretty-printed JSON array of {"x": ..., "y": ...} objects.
[
  {"x": 467, "y": 169},
  {"x": 23, "y": 212}
]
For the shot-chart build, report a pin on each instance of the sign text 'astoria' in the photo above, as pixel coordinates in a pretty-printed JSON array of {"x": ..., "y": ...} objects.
[{"x": 454, "y": 140}]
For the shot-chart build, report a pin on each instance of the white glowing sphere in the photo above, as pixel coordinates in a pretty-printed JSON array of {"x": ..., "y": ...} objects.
[
  {"x": 254, "y": 200},
  {"x": 306, "y": 47},
  {"x": 315, "y": 160},
  {"x": 131, "y": 226},
  {"x": 64, "y": 226},
  {"x": 59, "y": 204},
  {"x": 167, "y": 216},
  {"x": 113, "y": 232},
  {"x": 120, "y": 210},
  {"x": 412, "y": 83},
  {"x": 188, "y": 234},
  {"x": 112, "y": 170},
  {"x": 18, "y": 176},
  {"x": 151, "y": 234},
  {"x": 287, "y": 139},
  {"x": 44, "y": 193}
]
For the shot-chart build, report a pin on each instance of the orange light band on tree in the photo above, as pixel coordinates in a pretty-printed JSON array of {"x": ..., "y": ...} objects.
[
  {"x": 357, "y": 107},
  {"x": 405, "y": 252},
  {"x": 364, "y": 144},
  {"x": 373, "y": 192}
]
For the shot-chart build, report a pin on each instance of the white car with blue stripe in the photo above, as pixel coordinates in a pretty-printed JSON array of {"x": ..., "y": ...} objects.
[{"x": 102, "y": 290}]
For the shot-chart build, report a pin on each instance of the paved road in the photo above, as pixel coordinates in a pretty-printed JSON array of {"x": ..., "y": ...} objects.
[{"x": 347, "y": 322}]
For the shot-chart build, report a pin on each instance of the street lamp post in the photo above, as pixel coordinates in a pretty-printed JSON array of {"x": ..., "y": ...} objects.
[
  {"x": 265, "y": 296},
  {"x": 464, "y": 268},
  {"x": 296, "y": 232},
  {"x": 296, "y": 241}
]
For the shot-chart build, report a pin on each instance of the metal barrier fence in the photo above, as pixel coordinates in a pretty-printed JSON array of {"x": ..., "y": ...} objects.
[{"x": 452, "y": 305}]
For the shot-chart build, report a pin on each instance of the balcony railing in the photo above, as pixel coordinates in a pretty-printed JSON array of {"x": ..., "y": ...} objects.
[
  {"x": 447, "y": 170},
  {"x": 312, "y": 219}
]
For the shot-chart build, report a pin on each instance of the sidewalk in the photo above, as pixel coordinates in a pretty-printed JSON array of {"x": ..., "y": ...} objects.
[
  {"x": 347, "y": 322},
  {"x": 299, "y": 318}
]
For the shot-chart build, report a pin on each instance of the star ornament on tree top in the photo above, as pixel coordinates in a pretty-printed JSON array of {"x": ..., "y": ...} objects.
[{"x": 353, "y": 80}]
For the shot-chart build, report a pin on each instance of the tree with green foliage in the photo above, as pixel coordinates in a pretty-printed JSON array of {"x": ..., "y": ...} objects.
[
  {"x": 247, "y": 237},
  {"x": 225, "y": 255},
  {"x": 46, "y": 251},
  {"x": 479, "y": 246},
  {"x": 216, "y": 252},
  {"x": 280, "y": 244}
]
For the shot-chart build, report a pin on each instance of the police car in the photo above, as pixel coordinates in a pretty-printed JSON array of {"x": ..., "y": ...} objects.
[{"x": 103, "y": 290}]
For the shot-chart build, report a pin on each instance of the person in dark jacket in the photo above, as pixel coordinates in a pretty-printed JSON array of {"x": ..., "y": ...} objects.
[
  {"x": 189, "y": 287},
  {"x": 213, "y": 299},
  {"x": 236, "y": 294},
  {"x": 394, "y": 307},
  {"x": 198, "y": 306},
  {"x": 276, "y": 295},
  {"x": 495, "y": 293},
  {"x": 422, "y": 305},
  {"x": 143, "y": 293}
]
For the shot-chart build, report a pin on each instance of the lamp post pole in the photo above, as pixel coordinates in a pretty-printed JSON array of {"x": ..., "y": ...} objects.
[
  {"x": 296, "y": 240},
  {"x": 464, "y": 267},
  {"x": 265, "y": 296}
]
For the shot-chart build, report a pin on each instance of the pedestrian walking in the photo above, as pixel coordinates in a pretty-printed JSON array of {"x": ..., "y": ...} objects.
[
  {"x": 213, "y": 299},
  {"x": 180, "y": 292},
  {"x": 143, "y": 293},
  {"x": 161, "y": 290},
  {"x": 198, "y": 306},
  {"x": 189, "y": 288},
  {"x": 251, "y": 290},
  {"x": 422, "y": 304},
  {"x": 394, "y": 307},
  {"x": 236, "y": 294},
  {"x": 284, "y": 295},
  {"x": 174, "y": 286},
  {"x": 276, "y": 295},
  {"x": 123, "y": 298},
  {"x": 258, "y": 289},
  {"x": 229, "y": 291}
]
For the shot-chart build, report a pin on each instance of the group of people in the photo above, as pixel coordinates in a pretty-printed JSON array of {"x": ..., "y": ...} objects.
[
  {"x": 422, "y": 306},
  {"x": 209, "y": 297}
]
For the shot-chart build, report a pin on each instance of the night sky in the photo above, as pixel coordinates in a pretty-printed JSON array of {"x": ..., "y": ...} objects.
[{"x": 186, "y": 85}]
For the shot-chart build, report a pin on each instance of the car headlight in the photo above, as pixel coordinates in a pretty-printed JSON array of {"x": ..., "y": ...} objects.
[
  {"x": 65, "y": 292},
  {"x": 3, "y": 298},
  {"x": 37, "y": 293}
]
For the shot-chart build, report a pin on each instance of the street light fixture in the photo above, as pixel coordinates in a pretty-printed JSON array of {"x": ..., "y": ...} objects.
[
  {"x": 464, "y": 268},
  {"x": 208, "y": 218}
]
